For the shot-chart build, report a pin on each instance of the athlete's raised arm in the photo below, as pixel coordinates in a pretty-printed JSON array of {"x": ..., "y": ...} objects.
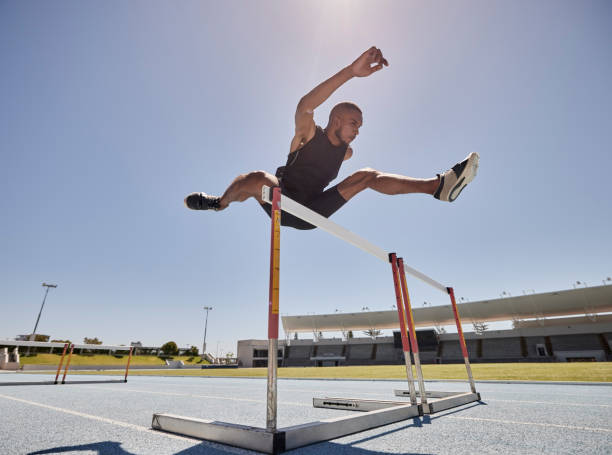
[{"x": 368, "y": 63}]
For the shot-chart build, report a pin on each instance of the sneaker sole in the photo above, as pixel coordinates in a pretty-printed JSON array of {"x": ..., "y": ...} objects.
[{"x": 468, "y": 174}]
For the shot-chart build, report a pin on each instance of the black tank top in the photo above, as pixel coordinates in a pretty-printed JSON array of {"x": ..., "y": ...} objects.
[{"x": 310, "y": 168}]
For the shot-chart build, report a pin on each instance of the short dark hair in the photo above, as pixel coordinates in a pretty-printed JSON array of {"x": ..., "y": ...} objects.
[{"x": 343, "y": 107}]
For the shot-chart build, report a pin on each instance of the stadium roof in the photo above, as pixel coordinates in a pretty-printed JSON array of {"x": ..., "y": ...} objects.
[{"x": 580, "y": 301}]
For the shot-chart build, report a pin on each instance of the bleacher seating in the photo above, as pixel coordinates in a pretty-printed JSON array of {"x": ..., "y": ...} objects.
[
  {"x": 501, "y": 348},
  {"x": 427, "y": 340},
  {"x": 297, "y": 356},
  {"x": 429, "y": 356},
  {"x": 451, "y": 350},
  {"x": 586, "y": 341},
  {"x": 299, "y": 352},
  {"x": 387, "y": 353},
  {"x": 330, "y": 350},
  {"x": 359, "y": 352}
]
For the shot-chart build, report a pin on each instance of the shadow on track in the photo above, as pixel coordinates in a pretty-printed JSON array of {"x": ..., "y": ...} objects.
[
  {"x": 114, "y": 448},
  {"x": 100, "y": 448}
]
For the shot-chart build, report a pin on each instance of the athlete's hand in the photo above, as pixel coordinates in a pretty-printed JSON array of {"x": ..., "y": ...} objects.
[{"x": 362, "y": 67}]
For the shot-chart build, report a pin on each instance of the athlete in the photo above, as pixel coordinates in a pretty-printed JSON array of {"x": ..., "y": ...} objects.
[{"x": 316, "y": 154}]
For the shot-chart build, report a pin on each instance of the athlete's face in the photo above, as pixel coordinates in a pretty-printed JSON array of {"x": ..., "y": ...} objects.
[{"x": 348, "y": 126}]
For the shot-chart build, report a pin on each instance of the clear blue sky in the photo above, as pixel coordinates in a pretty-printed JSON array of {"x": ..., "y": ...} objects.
[{"x": 111, "y": 112}]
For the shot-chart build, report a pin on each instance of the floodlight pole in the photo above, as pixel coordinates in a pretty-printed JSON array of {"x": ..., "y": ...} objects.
[
  {"x": 33, "y": 335},
  {"x": 207, "y": 308}
]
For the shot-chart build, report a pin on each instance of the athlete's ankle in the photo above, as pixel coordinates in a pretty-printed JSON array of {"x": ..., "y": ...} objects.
[
  {"x": 435, "y": 184},
  {"x": 224, "y": 202}
]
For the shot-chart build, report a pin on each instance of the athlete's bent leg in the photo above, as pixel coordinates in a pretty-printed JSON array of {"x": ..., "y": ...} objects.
[{"x": 243, "y": 187}]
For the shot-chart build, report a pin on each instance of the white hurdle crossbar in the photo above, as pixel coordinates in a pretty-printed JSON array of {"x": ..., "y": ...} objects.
[{"x": 296, "y": 209}]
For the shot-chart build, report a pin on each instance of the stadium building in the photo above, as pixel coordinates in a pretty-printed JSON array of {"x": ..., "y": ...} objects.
[{"x": 562, "y": 326}]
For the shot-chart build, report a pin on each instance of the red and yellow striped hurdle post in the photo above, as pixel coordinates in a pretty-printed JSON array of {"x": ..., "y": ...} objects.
[
  {"x": 464, "y": 350},
  {"x": 411, "y": 329},
  {"x": 59, "y": 367},
  {"x": 67, "y": 364},
  {"x": 127, "y": 367},
  {"x": 275, "y": 217},
  {"x": 402, "y": 320}
]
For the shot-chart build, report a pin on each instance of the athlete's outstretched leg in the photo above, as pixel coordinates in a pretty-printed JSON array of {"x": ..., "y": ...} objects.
[
  {"x": 384, "y": 183},
  {"x": 445, "y": 187},
  {"x": 243, "y": 187}
]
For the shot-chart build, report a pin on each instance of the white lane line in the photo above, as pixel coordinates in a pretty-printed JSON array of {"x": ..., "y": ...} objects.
[
  {"x": 555, "y": 394},
  {"x": 537, "y": 424},
  {"x": 190, "y": 395},
  {"x": 551, "y": 402},
  {"x": 101, "y": 419}
]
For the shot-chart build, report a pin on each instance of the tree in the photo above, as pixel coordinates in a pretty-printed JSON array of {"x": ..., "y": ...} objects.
[
  {"x": 61, "y": 341},
  {"x": 193, "y": 351},
  {"x": 170, "y": 348},
  {"x": 92, "y": 341},
  {"x": 372, "y": 333},
  {"x": 44, "y": 338}
]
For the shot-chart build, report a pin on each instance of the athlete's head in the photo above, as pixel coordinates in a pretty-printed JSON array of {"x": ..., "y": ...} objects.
[{"x": 345, "y": 119}]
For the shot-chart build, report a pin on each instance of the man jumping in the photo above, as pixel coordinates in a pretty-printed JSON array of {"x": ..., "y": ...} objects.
[{"x": 316, "y": 154}]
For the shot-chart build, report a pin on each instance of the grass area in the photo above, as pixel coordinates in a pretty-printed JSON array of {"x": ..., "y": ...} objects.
[
  {"x": 105, "y": 359},
  {"x": 579, "y": 371}
]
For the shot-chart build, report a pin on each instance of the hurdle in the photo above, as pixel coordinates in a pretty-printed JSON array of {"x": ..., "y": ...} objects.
[
  {"x": 441, "y": 400},
  {"x": 89, "y": 381},
  {"x": 67, "y": 368},
  {"x": 374, "y": 413}
]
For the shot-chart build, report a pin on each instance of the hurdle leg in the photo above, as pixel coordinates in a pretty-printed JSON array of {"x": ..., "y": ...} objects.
[
  {"x": 402, "y": 321},
  {"x": 413, "y": 339},
  {"x": 464, "y": 350},
  {"x": 68, "y": 364},
  {"x": 127, "y": 367},
  {"x": 59, "y": 367},
  {"x": 273, "y": 311}
]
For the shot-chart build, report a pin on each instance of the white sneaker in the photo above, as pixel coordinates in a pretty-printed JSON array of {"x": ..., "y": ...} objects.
[{"x": 454, "y": 180}]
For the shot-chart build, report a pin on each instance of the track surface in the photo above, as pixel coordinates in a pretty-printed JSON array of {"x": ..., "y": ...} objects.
[{"x": 115, "y": 419}]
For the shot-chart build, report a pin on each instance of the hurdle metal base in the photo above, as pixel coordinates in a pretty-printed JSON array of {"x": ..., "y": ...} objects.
[
  {"x": 441, "y": 401},
  {"x": 357, "y": 404},
  {"x": 288, "y": 438},
  {"x": 437, "y": 401}
]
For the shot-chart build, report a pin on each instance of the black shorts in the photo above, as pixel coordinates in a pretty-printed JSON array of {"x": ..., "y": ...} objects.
[{"x": 325, "y": 204}]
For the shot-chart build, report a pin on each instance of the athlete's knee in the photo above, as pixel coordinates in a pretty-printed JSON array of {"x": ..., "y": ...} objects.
[
  {"x": 259, "y": 178},
  {"x": 366, "y": 176}
]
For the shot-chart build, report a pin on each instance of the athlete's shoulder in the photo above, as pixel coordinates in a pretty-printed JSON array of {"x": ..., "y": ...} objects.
[{"x": 319, "y": 134}]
